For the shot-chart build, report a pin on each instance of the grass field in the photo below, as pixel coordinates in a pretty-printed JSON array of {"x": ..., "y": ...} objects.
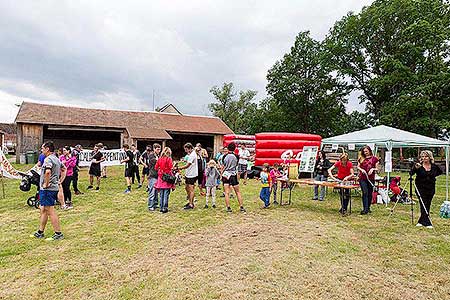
[{"x": 115, "y": 249}]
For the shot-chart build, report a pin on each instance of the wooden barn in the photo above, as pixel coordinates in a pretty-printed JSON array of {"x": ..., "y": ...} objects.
[{"x": 67, "y": 125}]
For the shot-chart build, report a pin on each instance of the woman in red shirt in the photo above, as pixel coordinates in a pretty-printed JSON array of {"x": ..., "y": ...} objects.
[
  {"x": 367, "y": 166},
  {"x": 164, "y": 165},
  {"x": 345, "y": 172}
]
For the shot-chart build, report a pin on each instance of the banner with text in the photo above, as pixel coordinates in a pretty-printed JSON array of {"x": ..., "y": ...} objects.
[
  {"x": 112, "y": 157},
  {"x": 6, "y": 169}
]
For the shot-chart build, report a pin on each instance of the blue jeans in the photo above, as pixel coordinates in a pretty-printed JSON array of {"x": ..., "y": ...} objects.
[
  {"x": 367, "y": 190},
  {"x": 152, "y": 193},
  {"x": 164, "y": 199},
  {"x": 265, "y": 195},
  {"x": 322, "y": 188}
]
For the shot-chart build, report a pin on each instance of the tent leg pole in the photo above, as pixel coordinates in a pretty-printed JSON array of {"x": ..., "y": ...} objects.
[{"x": 447, "y": 150}]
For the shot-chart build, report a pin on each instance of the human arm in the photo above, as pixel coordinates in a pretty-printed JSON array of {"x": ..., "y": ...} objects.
[
  {"x": 330, "y": 172},
  {"x": 46, "y": 182},
  {"x": 352, "y": 174}
]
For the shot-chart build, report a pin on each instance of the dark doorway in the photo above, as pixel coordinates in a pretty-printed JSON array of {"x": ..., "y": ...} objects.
[
  {"x": 142, "y": 144},
  {"x": 86, "y": 138},
  {"x": 178, "y": 141}
]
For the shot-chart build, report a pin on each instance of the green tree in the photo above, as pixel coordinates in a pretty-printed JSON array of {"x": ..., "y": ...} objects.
[
  {"x": 308, "y": 97},
  {"x": 235, "y": 109},
  {"x": 397, "y": 53}
]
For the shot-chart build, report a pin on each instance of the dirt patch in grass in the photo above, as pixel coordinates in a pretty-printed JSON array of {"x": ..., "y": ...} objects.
[{"x": 258, "y": 258}]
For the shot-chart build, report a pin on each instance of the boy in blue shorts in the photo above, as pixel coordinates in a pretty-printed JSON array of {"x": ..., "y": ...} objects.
[{"x": 48, "y": 193}]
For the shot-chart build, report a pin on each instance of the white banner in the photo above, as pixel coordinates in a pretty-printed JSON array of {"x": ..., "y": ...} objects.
[
  {"x": 6, "y": 168},
  {"x": 308, "y": 159},
  {"x": 112, "y": 157},
  {"x": 388, "y": 162}
]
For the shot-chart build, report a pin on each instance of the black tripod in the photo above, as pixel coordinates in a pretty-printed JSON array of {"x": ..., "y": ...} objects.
[{"x": 411, "y": 197}]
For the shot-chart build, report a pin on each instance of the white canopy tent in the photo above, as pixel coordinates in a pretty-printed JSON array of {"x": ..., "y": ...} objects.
[{"x": 389, "y": 138}]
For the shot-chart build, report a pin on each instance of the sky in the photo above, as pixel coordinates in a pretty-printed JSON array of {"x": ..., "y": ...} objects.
[{"x": 124, "y": 54}]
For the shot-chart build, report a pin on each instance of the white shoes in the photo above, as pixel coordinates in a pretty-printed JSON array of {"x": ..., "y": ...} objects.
[{"x": 420, "y": 225}]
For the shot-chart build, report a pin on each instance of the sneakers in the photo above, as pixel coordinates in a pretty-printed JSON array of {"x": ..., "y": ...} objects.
[
  {"x": 242, "y": 209},
  {"x": 78, "y": 193},
  {"x": 343, "y": 211},
  {"x": 419, "y": 225},
  {"x": 229, "y": 209},
  {"x": 429, "y": 227},
  {"x": 139, "y": 186},
  {"x": 55, "y": 236},
  {"x": 206, "y": 206},
  {"x": 364, "y": 212},
  {"x": 37, "y": 235},
  {"x": 97, "y": 188},
  {"x": 151, "y": 209},
  {"x": 213, "y": 206},
  {"x": 275, "y": 202},
  {"x": 127, "y": 191},
  {"x": 90, "y": 187},
  {"x": 188, "y": 206},
  {"x": 315, "y": 198}
]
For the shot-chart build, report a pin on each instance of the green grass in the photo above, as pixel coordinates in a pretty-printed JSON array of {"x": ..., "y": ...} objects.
[{"x": 115, "y": 249}]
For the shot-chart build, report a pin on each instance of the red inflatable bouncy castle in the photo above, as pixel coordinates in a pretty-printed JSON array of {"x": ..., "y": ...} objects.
[
  {"x": 247, "y": 140},
  {"x": 271, "y": 145}
]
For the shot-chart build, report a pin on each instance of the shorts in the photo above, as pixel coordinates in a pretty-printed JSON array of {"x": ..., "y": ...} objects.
[
  {"x": 233, "y": 180},
  {"x": 191, "y": 181},
  {"x": 242, "y": 168},
  {"x": 94, "y": 170},
  {"x": 200, "y": 180},
  {"x": 145, "y": 171},
  {"x": 48, "y": 198},
  {"x": 128, "y": 172}
]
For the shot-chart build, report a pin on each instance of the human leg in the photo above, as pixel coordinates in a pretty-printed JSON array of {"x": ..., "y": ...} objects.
[{"x": 152, "y": 193}]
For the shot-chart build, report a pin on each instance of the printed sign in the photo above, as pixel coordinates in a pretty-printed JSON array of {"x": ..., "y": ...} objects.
[
  {"x": 112, "y": 157},
  {"x": 6, "y": 169},
  {"x": 351, "y": 147},
  {"x": 334, "y": 147},
  {"x": 388, "y": 162},
  {"x": 308, "y": 159}
]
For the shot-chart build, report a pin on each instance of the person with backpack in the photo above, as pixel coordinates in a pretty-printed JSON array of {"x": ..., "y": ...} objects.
[
  {"x": 166, "y": 180},
  {"x": 230, "y": 177}
]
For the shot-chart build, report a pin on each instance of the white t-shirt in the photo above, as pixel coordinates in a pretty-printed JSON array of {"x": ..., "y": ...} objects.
[
  {"x": 244, "y": 155},
  {"x": 192, "y": 170}
]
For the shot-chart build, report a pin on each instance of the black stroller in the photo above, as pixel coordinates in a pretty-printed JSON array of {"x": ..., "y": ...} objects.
[{"x": 28, "y": 179}]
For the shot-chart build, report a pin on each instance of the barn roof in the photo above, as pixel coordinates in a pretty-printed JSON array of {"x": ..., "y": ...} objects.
[{"x": 139, "y": 124}]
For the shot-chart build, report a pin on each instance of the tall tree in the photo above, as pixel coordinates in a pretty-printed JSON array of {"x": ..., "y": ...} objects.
[
  {"x": 397, "y": 53},
  {"x": 235, "y": 109},
  {"x": 302, "y": 86}
]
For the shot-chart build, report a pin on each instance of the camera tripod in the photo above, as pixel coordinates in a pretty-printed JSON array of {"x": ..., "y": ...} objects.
[{"x": 411, "y": 184}]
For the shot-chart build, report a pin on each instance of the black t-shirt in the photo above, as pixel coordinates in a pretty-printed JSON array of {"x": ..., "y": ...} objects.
[
  {"x": 97, "y": 156},
  {"x": 150, "y": 160},
  {"x": 130, "y": 162},
  {"x": 426, "y": 180},
  {"x": 322, "y": 167}
]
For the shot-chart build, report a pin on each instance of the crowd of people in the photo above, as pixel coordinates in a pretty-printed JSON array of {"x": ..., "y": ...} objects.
[{"x": 60, "y": 170}]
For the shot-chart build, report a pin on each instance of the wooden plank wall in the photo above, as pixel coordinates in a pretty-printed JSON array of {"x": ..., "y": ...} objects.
[{"x": 29, "y": 138}]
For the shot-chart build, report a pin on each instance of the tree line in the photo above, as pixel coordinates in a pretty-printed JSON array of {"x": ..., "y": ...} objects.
[{"x": 394, "y": 53}]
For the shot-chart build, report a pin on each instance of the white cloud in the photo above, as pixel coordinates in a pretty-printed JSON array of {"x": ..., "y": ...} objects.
[{"x": 115, "y": 53}]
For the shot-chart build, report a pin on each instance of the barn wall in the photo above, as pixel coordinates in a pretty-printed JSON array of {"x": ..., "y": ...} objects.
[
  {"x": 29, "y": 138},
  {"x": 218, "y": 142}
]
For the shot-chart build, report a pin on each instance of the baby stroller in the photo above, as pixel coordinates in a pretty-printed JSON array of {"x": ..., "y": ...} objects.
[
  {"x": 28, "y": 179},
  {"x": 399, "y": 194}
]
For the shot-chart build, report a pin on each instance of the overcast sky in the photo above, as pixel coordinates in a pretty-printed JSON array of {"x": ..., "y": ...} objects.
[{"x": 114, "y": 54}]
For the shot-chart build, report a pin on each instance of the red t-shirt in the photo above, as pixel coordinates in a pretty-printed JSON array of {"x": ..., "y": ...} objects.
[
  {"x": 366, "y": 165},
  {"x": 343, "y": 170}
]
